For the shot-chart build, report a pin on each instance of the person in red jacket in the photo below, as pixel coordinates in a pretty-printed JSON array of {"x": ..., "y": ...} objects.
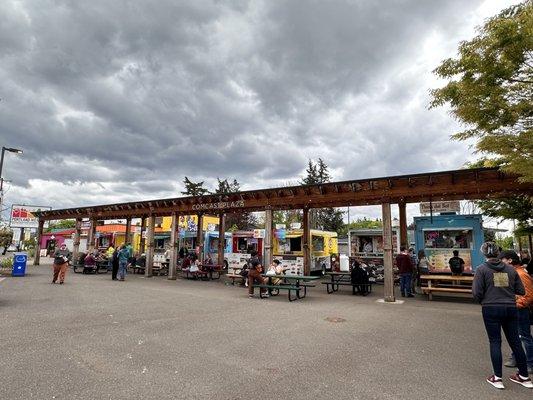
[
  {"x": 405, "y": 266},
  {"x": 523, "y": 303}
]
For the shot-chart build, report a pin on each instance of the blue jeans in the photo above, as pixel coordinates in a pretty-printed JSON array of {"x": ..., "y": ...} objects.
[
  {"x": 496, "y": 318},
  {"x": 110, "y": 264},
  {"x": 122, "y": 268},
  {"x": 405, "y": 283},
  {"x": 524, "y": 331}
]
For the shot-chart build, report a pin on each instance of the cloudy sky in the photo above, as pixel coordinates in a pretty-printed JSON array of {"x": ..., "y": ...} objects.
[{"x": 119, "y": 100}]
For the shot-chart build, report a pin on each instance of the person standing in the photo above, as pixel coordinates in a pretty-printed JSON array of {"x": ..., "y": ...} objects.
[
  {"x": 114, "y": 265},
  {"x": 109, "y": 253},
  {"x": 495, "y": 286},
  {"x": 456, "y": 263},
  {"x": 523, "y": 303},
  {"x": 404, "y": 263},
  {"x": 62, "y": 257},
  {"x": 123, "y": 256}
]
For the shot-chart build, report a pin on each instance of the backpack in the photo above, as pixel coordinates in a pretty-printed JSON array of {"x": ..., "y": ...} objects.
[{"x": 244, "y": 271}]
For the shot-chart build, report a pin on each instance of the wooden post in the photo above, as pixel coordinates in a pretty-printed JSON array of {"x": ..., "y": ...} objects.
[
  {"x": 305, "y": 242},
  {"x": 127, "y": 235},
  {"x": 172, "y": 274},
  {"x": 387, "y": 253},
  {"x": 40, "y": 229},
  {"x": 200, "y": 238},
  {"x": 221, "y": 238},
  {"x": 91, "y": 235},
  {"x": 530, "y": 245},
  {"x": 77, "y": 234},
  {"x": 142, "y": 241},
  {"x": 403, "y": 224},
  {"x": 149, "y": 247},
  {"x": 267, "y": 241}
]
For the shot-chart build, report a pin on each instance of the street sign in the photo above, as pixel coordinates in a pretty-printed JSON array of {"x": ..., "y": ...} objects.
[{"x": 22, "y": 216}]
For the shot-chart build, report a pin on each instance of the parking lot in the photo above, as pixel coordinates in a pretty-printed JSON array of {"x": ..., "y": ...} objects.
[{"x": 94, "y": 338}]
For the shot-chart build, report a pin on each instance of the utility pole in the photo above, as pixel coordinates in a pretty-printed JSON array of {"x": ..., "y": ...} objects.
[{"x": 11, "y": 150}]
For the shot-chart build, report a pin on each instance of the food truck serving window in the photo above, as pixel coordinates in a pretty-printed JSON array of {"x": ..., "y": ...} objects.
[
  {"x": 318, "y": 243},
  {"x": 295, "y": 244},
  {"x": 448, "y": 238}
]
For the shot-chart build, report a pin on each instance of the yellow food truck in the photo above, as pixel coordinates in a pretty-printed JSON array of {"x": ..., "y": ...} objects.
[{"x": 287, "y": 247}]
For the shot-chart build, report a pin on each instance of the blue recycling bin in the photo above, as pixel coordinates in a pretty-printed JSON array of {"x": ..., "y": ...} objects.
[{"x": 19, "y": 264}]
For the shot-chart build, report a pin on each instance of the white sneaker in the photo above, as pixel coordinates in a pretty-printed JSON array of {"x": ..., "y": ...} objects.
[
  {"x": 496, "y": 382},
  {"x": 525, "y": 382}
]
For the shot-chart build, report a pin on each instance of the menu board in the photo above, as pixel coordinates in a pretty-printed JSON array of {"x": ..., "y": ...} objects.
[{"x": 438, "y": 259}]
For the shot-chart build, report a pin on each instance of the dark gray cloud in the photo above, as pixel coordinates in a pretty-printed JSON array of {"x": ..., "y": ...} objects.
[{"x": 119, "y": 100}]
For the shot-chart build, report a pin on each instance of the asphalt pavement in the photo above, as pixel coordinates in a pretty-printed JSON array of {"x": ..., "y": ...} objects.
[{"x": 151, "y": 338}]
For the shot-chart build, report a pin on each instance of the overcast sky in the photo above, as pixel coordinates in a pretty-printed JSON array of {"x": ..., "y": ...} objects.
[{"x": 119, "y": 100}]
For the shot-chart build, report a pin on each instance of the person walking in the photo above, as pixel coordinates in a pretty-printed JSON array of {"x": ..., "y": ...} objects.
[
  {"x": 404, "y": 263},
  {"x": 523, "y": 303},
  {"x": 495, "y": 286},
  {"x": 123, "y": 256},
  {"x": 62, "y": 257}
]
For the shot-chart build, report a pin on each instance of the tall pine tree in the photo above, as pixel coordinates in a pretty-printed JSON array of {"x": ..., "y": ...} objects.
[
  {"x": 240, "y": 220},
  {"x": 193, "y": 188}
]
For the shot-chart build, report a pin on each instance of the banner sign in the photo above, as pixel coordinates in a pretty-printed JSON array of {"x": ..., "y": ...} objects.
[
  {"x": 440, "y": 207},
  {"x": 22, "y": 216},
  {"x": 259, "y": 233},
  {"x": 218, "y": 206}
]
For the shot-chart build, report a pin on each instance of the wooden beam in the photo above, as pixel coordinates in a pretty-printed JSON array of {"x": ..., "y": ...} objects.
[
  {"x": 387, "y": 253},
  {"x": 267, "y": 241},
  {"x": 200, "y": 238},
  {"x": 37, "y": 259},
  {"x": 148, "y": 269},
  {"x": 172, "y": 270},
  {"x": 77, "y": 235},
  {"x": 305, "y": 242},
  {"x": 403, "y": 224},
  {"x": 221, "y": 238}
]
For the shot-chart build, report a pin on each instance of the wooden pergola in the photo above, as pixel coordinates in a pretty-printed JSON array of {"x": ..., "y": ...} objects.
[{"x": 463, "y": 184}]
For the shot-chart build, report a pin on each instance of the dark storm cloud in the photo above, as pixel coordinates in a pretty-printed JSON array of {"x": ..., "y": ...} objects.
[{"x": 123, "y": 99}]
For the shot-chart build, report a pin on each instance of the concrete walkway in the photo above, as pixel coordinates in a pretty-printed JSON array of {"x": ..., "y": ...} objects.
[{"x": 94, "y": 338}]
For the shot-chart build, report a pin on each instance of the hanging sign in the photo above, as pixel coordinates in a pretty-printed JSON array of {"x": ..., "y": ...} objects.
[
  {"x": 440, "y": 207},
  {"x": 259, "y": 233}
]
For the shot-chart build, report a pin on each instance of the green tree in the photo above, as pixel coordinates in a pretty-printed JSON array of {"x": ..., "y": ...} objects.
[
  {"x": 62, "y": 224},
  {"x": 239, "y": 220},
  {"x": 362, "y": 223},
  {"x": 490, "y": 89},
  {"x": 329, "y": 219},
  {"x": 193, "y": 188}
]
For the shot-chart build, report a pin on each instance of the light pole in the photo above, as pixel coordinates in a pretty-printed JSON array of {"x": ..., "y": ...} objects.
[{"x": 11, "y": 150}]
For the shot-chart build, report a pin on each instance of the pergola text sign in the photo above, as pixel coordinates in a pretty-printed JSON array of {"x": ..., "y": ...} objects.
[{"x": 218, "y": 206}]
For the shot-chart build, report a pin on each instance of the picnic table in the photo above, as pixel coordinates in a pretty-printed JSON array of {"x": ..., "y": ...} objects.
[
  {"x": 446, "y": 284},
  {"x": 206, "y": 272},
  {"x": 290, "y": 283},
  {"x": 343, "y": 278}
]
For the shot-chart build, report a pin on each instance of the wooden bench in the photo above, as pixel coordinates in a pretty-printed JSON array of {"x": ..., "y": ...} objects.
[
  {"x": 429, "y": 290},
  {"x": 288, "y": 288},
  {"x": 330, "y": 287},
  {"x": 235, "y": 276},
  {"x": 446, "y": 284}
]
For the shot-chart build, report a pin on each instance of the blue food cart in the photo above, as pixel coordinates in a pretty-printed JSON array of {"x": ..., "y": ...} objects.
[{"x": 440, "y": 235}]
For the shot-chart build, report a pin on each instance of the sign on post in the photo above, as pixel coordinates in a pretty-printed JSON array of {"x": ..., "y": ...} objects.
[
  {"x": 440, "y": 207},
  {"x": 22, "y": 216}
]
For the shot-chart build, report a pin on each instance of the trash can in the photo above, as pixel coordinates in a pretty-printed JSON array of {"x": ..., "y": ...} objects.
[{"x": 19, "y": 264}]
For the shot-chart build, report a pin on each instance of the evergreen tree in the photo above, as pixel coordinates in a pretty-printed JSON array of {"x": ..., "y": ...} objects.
[
  {"x": 193, "y": 188},
  {"x": 240, "y": 220},
  {"x": 330, "y": 219}
]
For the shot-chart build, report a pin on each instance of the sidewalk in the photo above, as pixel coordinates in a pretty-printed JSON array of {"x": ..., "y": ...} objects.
[{"x": 94, "y": 338}]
